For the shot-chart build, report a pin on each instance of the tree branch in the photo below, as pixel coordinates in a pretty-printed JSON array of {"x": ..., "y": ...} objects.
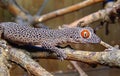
[
  {"x": 25, "y": 61},
  {"x": 15, "y": 9},
  {"x": 66, "y": 10},
  {"x": 110, "y": 58},
  {"x": 19, "y": 57},
  {"x": 19, "y": 12},
  {"x": 4, "y": 71},
  {"x": 101, "y": 14},
  {"x": 105, "y": 44}
]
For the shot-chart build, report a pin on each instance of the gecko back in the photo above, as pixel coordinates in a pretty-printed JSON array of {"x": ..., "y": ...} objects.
[
  {"x": 20, "y": 34},
  {"x": 29, "y": 35}
]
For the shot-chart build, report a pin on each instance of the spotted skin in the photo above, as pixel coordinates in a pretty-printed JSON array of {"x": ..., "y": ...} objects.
[{"x": 46, "y": 38}]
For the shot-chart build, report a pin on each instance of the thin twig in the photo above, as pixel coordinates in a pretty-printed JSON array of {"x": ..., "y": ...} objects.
[
  {"x": 105, "y": 44},
  {"x": 20, "y": 7},
  {"x": 42, "y": 7},
  {"x": 78, "y": 68},
  {"x": 66, "y": 10}
]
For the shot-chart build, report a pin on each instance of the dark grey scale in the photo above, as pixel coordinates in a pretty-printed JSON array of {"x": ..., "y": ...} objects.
[
  {"x": 49, "y": 35},
  {"x": 40, "y": 33},
  {"x": 55, "y": 34},
  {"x": 75, "y": 34},
  {"x": 59, "y": 33},
  {"x": 34, "y": 36},
  {"x": 68, "y": 33},
  {"x": 7, "y": 33},
  {"x": 45, "y": 33}
]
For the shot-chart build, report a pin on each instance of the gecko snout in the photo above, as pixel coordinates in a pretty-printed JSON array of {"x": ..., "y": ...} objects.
[{"x": 94, "y": 39}]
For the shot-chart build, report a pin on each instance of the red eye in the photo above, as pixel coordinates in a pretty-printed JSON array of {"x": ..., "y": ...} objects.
[{"x": 85, "y": 34}]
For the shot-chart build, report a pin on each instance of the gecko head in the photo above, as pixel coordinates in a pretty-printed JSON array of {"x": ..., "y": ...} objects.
[{"x": 87, "y": 35}]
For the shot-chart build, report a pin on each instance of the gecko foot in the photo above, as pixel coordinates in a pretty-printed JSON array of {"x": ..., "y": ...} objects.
[{"x": 61, "y": 54}]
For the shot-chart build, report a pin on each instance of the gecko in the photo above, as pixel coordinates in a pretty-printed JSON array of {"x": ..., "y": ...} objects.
[{"x": 46, "y": 38}]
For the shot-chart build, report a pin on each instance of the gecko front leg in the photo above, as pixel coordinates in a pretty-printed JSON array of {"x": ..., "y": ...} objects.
[{"x": 59, "y": 52}]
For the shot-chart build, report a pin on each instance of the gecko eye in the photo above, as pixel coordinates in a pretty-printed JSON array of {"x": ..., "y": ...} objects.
[{"x": 85, "y": 33}]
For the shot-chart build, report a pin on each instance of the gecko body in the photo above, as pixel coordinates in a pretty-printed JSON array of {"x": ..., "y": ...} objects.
[{"x": 47, "y": 38}]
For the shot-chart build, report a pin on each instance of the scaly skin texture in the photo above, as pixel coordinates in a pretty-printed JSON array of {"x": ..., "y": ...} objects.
[{"x": 46, "y": 38}]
